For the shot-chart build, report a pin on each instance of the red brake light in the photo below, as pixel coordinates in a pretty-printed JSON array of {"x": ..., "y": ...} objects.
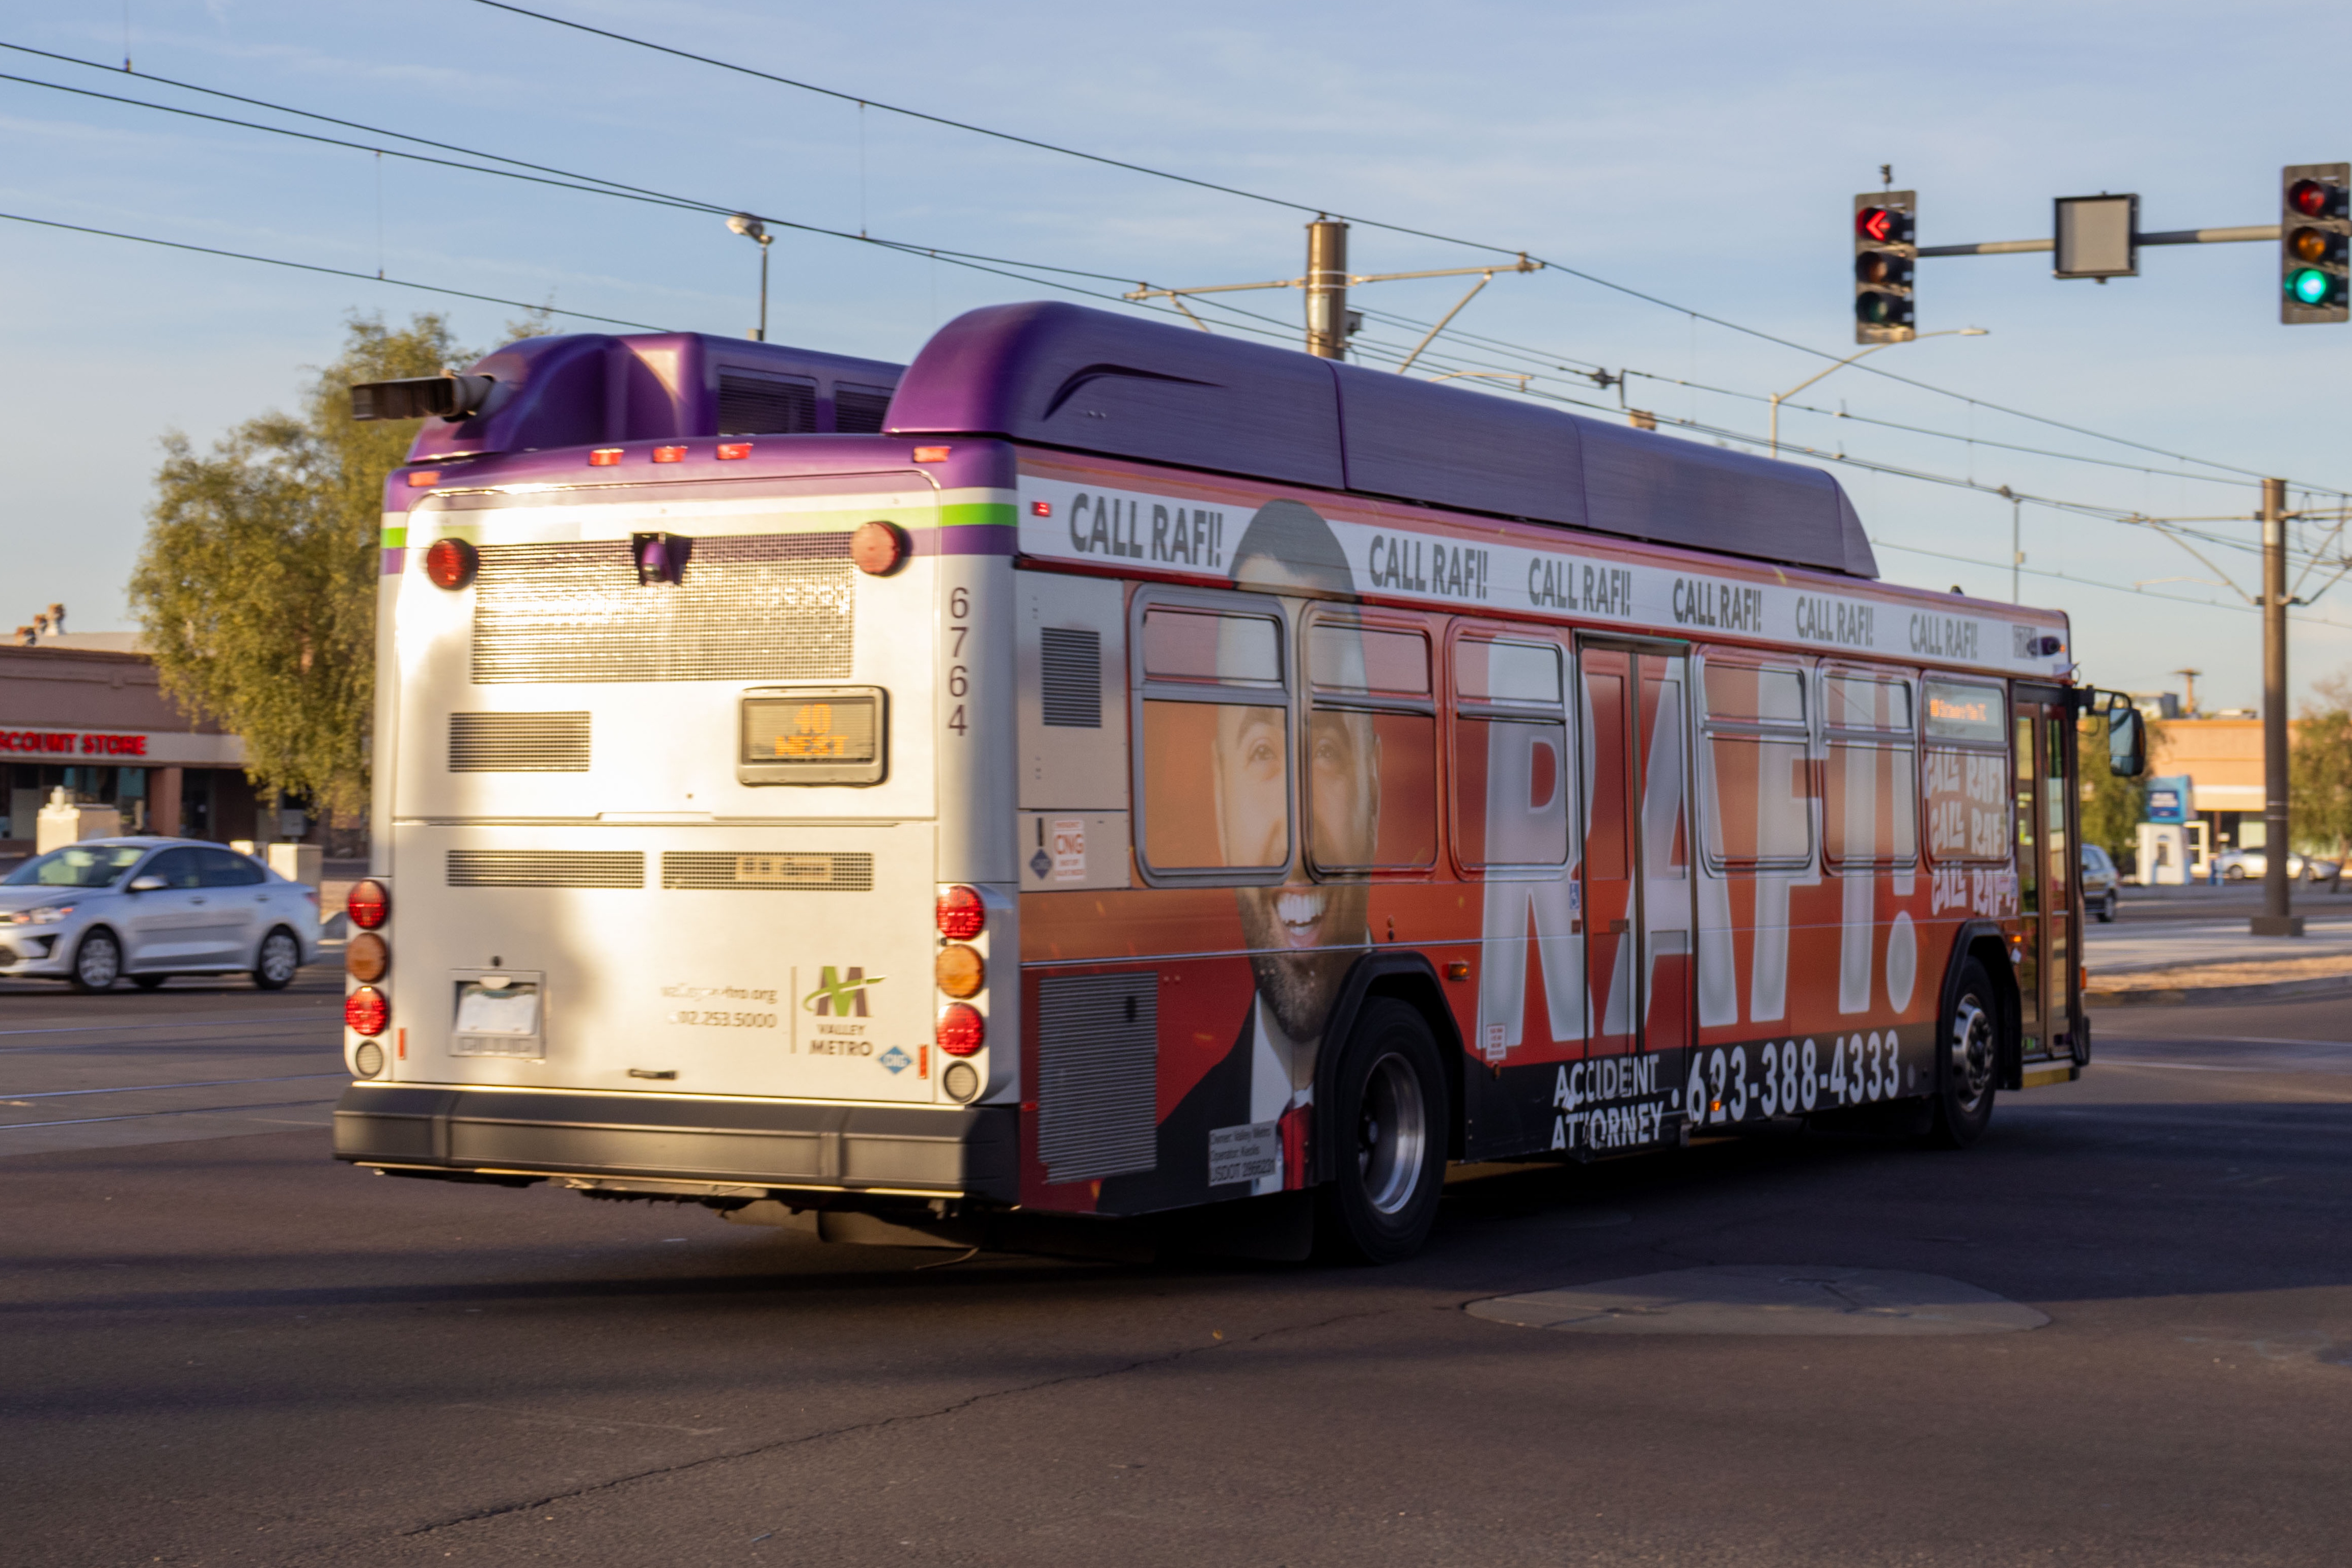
[
  {"x": 605, "y": 458},
  {"x": 962, "y": 914},
  {"x": 366, "y": 1012},
  {"x": 669, "y": 453},
  {"x": 1041, "y": 508},
  {"x": 962, "y": 1031},
  {"x": 369, "y": 904},
  {"x": 728, "y": 451},
  {"x": 450, "y": 564}
]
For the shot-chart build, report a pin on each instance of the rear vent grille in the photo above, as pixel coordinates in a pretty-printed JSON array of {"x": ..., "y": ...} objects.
[
  {"x": 781, "y": 871},
  {"x": 517, "y": 742},
  {"x": 860, "y": 411},
  {"x": 756, "y": 607},
  {"x": 1098, "y": 1075},
  {"x": 1072, "y": 679},
  {"x": 760, "y": 405},
  {"x": 546, "y": 867}
]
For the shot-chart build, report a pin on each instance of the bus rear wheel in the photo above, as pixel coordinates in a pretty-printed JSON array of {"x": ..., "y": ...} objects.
[
  {"x": 1967, "y": 1055},
  {"x": 1390, "y": 1122}
]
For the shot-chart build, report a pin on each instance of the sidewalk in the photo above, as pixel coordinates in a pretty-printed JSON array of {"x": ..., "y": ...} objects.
[{"x": 2178, "y": 945}]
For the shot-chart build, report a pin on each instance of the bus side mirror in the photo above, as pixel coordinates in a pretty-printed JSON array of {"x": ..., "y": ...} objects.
[{"x": 2126, "y": 743}]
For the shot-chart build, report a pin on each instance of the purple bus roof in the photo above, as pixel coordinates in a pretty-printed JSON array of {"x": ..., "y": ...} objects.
[
  {"x": 1092, "y": 382},
  {"x": 1089, "y": 380}
]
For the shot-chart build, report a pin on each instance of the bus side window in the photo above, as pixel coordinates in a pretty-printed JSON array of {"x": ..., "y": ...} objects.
[
  {"x": 1370, "y": 767},
  {"x": 1870, "y": 796},
  {"x": 1759, "y": 812},
  {"x": 1512, "y": 772},
  {"x": 1212, "y": 755}
]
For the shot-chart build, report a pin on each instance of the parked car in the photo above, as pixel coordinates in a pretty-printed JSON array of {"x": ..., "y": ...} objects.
[
  {"x": 150, "y": 909},
  {"x": 2237, "y": 866},
  {"x": 2102, "y": 884}
]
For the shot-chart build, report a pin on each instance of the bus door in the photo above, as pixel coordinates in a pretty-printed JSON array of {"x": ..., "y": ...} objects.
[
  {"x": 1637, "y": 889},
  {"x": 2042, "y": 721}
]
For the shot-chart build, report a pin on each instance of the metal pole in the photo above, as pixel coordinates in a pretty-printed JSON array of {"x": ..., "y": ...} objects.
[
  {"x": 1327, "y": 289},
  {"x": 2275, "y": 920},
  {"x": 1776, "y": 427},
  {"x": 2016, "y": 552},
  {"x": 761, "y": 335}
]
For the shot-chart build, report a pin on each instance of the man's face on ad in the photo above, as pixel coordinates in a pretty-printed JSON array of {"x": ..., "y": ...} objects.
[{"x": 1302, "y": 935}]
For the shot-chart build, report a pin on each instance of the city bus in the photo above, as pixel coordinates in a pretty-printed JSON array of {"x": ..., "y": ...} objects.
[{"x": 1101, "y": 770}]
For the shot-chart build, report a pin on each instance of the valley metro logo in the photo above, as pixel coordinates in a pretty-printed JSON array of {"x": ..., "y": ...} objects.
[{"x": 840, "y": 993}]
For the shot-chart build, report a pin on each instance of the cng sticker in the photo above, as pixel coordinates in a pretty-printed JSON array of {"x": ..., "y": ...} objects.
[
  {"x": 840, "y": 993},
  {"x": 896, "y": 1060}
]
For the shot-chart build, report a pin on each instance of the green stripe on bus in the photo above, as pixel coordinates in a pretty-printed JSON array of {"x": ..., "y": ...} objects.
[
  {"x": 976, "y": 514},
  {"x": 396, "y": 538}
]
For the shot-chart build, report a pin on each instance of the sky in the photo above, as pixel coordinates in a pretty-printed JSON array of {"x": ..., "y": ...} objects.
[{"x": 1705, "y": 155}]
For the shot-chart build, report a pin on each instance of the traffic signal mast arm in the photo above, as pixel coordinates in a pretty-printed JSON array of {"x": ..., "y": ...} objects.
[{"x": 2169, "y": 236}]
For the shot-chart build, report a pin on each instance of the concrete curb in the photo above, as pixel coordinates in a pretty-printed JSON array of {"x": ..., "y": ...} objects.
[{"x": 2198, "y": 996}]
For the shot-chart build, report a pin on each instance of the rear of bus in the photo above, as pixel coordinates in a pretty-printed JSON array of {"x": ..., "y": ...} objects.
[{"x": 677, "y": 890}]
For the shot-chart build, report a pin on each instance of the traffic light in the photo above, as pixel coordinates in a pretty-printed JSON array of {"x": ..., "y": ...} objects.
[
  {"x": 2314, "y": 229},
  {"x": 1886, "y": 254}
]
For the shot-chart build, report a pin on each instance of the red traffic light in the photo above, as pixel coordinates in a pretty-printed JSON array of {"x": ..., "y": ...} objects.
[
  {"x": 2312, "y": 198},
  {"x": 1875, "y": 223}
]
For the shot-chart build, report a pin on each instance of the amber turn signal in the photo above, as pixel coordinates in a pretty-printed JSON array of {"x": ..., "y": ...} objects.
[
  {"x": 367, "y": 957},
  {"x": 961, "y": 970}
]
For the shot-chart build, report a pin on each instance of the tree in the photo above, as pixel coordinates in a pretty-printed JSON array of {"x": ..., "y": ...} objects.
[
  {"x": 258, "y": 583},
  {"x": 2319, "y": 769},
  {"x": 2112, "y": 808}
]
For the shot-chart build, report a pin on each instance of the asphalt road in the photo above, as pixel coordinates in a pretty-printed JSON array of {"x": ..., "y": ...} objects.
[{"x": 222, "y": 1348}]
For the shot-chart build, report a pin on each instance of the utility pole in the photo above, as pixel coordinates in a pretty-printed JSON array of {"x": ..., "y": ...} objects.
[
  {"x": 2275, "y": 920},
  {"x": 1327, "y": 289}
]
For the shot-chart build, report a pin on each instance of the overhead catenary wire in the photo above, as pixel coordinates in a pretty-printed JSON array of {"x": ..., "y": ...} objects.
[
  {"x": 546, "y": 174},
  {"x": 1325, "y": 208}
]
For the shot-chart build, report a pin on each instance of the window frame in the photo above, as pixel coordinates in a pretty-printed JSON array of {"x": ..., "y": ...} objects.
[
  {"x": 1799, "y": 732},
  {"x": 1311, "y": 699},
  {"x": 1560, "y": 714},
  {"x": 1837, "y": 738},
  {"x": 1143, "y": 687}
]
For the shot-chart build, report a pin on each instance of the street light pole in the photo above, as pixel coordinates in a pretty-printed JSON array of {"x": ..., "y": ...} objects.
[
  {"x": 1774, "y": 437},
  {"x": 750, "y": 228}
]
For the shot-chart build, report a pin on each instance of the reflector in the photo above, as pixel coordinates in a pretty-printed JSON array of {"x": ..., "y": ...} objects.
[
  {"x": 877, "y": 548},
  {"x": 669, "y": 453},
  {"x": 605, "y": 458},
  {"x": 450, "y": 564},
  {"x": 728, "y": 451}
]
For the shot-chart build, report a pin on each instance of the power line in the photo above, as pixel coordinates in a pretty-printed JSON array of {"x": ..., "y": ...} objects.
[
  {"x": 330, "y": 271},
  {"x": 565, "y": 179},
  {"x": 1595, "y": 278}
]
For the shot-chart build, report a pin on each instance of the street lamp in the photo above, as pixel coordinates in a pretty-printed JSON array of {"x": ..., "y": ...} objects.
[
  {"x": 750, "y": 228},
  {"x": 1777, "y": 397}
]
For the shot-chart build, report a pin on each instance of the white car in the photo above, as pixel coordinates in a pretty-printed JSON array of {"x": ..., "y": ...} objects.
[{"x": 150, "y": 909}]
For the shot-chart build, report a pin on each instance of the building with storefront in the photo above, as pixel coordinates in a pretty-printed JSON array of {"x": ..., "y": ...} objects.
[{"x": 93, "y": 721}]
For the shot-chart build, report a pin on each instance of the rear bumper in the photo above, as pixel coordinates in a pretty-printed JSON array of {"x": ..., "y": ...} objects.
[{"x": 969, "y": 1152}]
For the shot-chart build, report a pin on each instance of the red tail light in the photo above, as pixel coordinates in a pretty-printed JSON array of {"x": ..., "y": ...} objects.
[
  {"x": 962, "y": 914},
  {"x": 366, "y": 1012},
  {"x": 961, "y": 1031},
  {"x": 368, "y": 905},
  {"x": 450, "y": 564}
]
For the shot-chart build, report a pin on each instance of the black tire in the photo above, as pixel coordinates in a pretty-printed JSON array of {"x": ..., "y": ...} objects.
[
  {"x": 96, "y": 962},
  {"x": 1967, "y": 1057},
  {"x": 148, "y": 982},
  {"x": 1389, "y": 1118},
  {"x": 2107, "y": 909},
  {"x": 276, "y": 959},
  {"x": 2233, "y": 874}
]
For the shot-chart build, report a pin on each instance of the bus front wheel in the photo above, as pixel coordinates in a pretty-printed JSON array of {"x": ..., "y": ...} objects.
[
  {"x": 1967, "y": 1056},
  {"x": 1390, "y": 1122}
]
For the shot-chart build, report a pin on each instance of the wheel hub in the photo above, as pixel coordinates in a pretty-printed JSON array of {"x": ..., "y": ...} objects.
[{"x": 1971, "y": 1048}]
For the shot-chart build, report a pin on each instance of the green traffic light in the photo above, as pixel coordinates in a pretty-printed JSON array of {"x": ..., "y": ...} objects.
[{"x": 2309, "y": 285}]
